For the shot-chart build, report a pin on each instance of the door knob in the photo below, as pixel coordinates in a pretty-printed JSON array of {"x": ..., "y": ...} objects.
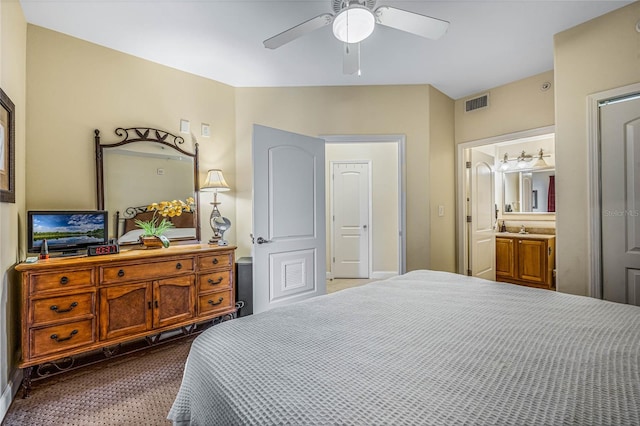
[
  {"x": 261, "y": 240},
  {"x": 364, "y": 226}
]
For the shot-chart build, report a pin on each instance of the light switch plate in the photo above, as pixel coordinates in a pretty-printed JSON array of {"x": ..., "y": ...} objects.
[
  {"x": 184, "y": 126},
  {"x": 205, "y": 131}
]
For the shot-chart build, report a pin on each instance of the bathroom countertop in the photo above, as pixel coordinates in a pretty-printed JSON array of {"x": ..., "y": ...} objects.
[{"x": 525, "y": 236}]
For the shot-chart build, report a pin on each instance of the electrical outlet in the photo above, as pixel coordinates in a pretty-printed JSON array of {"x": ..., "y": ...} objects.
[{"x": 440, "y": 211}]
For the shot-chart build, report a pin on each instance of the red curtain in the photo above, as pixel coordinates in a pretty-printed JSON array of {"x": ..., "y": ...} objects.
[{"x": 551, "y": 199}]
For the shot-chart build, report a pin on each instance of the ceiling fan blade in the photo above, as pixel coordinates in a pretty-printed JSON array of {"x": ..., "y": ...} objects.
[
  {"x": 411, "y": 22},
  {"x": 351, "y": 58},
  {"x": 298, "y": 31}
]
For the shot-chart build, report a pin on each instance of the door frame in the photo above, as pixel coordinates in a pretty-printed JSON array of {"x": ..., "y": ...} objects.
[
  {"x": 369, "y": 218},
  {"x": 400, "y": 141},
  {"x": 462, "y": 239},
  {"x": 594, "y": 217}
]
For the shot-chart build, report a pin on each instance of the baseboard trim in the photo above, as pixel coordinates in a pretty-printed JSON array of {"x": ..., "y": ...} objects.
[
  {"x": 382, "y": 275},
  {"x": 9, "y": 392}
]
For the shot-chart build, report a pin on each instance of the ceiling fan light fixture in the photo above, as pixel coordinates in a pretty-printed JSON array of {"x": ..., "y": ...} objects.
[{"x": 354, "y": 24}]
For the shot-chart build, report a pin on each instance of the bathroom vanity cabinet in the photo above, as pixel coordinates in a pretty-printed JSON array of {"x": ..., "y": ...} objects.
[{"x": 526, "y": 259}]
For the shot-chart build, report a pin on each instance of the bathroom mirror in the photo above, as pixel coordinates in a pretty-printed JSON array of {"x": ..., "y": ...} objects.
[{"x": 528, "y": 191}]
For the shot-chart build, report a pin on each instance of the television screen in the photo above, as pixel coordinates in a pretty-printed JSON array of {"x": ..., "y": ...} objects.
[{"x": 66, "y": 230}]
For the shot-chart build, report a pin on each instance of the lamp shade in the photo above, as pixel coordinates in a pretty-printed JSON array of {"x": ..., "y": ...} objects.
[
  {"x": 540, "y": 162},
  {"x": 215, "y": 182},
  {"x": 353, "y": 24}
]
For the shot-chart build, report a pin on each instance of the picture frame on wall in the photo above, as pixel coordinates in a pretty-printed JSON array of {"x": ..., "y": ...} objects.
[{"x": 7, "y": 149}]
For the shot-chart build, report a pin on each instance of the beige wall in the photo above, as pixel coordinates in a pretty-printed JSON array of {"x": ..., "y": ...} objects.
[
  {"x": 596, "y": 56},
  {"x": 75, "y": 87},
  {"x": 13, "y": 45},
  {"x": 383, "y": 158},
  {"x": 442, "y": 182},
  {"x": 514, "y": 107},
  {"x": 343, "y": 111}
]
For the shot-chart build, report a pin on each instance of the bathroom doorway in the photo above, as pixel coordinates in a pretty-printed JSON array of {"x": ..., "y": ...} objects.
[{"x": 514, "y": 157}]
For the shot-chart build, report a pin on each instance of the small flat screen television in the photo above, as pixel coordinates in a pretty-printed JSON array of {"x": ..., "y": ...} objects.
[{"x": 66, "y": 231}]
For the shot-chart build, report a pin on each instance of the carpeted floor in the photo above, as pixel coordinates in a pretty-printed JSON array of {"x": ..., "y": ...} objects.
[
  {"x": 137, "y": 389},
  {"x": 134, "y": 390}
]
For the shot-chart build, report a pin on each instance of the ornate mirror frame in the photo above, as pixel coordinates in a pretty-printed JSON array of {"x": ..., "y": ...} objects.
[{"x": 145, "y": 134}]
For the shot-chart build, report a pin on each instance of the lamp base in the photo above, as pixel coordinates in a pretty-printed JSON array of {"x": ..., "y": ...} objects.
[{"x": 214, "y": 240}]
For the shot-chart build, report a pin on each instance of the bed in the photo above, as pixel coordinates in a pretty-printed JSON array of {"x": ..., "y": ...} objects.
[{"x": 424, "y": 348}]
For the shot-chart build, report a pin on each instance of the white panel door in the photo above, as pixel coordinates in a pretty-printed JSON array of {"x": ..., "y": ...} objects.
[
  {"x": 350, "y": 220},
  {"x": 482, "y": 258},
  {"x": 288, "y": 218},
  {"x": 620, "y": 171}
]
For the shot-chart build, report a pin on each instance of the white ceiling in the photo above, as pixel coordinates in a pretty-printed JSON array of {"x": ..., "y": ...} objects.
[{"x": 489, "y": 43}]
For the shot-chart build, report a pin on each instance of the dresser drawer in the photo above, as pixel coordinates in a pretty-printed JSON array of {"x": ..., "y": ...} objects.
[
  {"x": 63, "y": 280},
  {"x": 215, "y": 302},
  {"x": 214, "y": 281},
  {"x": 215, "y": 261},
  {"x": 62, "y": 308},
  {"x": 57, "y": 338},
  {"x": 145, "y": 271}
]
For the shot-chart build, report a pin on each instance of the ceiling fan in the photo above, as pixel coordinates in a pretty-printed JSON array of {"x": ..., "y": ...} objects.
[{"x": 354, "y": 21}]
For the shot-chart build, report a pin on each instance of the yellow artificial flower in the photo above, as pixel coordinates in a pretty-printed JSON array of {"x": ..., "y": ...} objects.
[{"x": 172, "y": 208}]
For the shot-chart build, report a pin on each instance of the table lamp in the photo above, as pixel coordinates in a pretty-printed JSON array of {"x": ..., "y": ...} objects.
[{"x": 215, "y": 182}]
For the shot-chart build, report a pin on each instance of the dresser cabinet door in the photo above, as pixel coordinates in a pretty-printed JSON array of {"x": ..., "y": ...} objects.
[
  {"x": 125, "y": 310},
  {"x": 174, "y": 300}
]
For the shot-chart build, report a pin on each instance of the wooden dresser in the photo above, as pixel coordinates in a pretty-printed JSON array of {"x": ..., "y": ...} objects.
[
  {"x": 526, "y": 259},
  {"x": 75, "y": 305}
]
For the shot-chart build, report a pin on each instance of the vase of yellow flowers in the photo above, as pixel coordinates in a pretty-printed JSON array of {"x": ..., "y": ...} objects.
[{"x": 153, "y": 230}]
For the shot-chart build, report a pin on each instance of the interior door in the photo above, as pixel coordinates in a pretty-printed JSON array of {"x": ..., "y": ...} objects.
[
  {"x": 288, "y": 218},
  {"x": 620, "y": 172},
  {"x": 350, "y": 220},
  {"x": 482, "y": 252}
]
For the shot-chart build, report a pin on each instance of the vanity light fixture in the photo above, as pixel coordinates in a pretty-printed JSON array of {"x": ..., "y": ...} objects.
[
  {"x": 540, "y": 162},
  {"x": 523, "y": 160},
  {"x": 504, "y": 163},
  {"x": 215, "y": 182}
]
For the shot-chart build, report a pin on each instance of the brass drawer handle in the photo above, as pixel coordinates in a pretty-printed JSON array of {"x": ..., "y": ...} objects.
[
  {"x": 62, "y": 339},
  {"x": 64, "y": 280},
  {"x": 215, "y": 260},
  {"x": 212, "y": 282},
  {"x": 121, "y": 273},
  {"x": 61, "y": 311},
  {"x": 178, "y": 265},
  {"x": 212, "y": 303}
]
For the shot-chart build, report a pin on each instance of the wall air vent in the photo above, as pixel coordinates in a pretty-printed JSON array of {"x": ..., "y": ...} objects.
[{"x": 476, "y": 103}]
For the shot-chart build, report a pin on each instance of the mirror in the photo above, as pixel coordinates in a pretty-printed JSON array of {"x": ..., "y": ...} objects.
[
  {"x": 146, "y": 166},
  {"x": 527, "y": 191}
]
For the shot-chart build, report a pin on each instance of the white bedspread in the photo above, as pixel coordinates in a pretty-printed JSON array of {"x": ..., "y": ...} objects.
[{"x": 426, "y": 348}]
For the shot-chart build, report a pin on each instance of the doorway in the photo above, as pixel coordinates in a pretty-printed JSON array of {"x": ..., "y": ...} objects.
[
  {"x": 386, "y": 224},
  {"x": 469, "y": 194}
]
